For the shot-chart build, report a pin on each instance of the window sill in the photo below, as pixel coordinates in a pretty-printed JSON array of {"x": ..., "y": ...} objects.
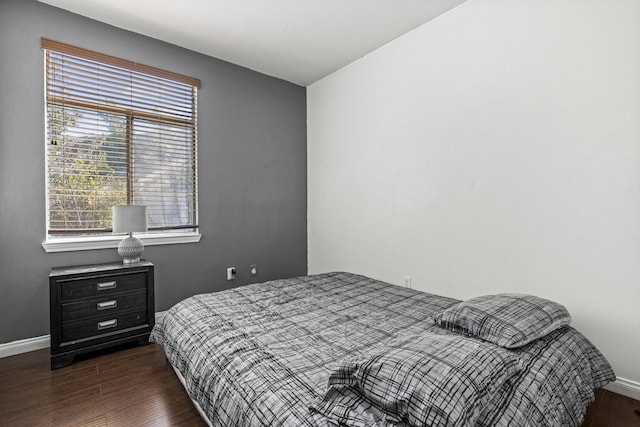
[{"x": 105, "y": 242}]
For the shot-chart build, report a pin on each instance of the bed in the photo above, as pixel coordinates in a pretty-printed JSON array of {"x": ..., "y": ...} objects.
[{"x": 344, "y": 349}]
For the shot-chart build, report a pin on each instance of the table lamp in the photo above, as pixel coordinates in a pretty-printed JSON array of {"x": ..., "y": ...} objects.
[{"x": 130, "y": 219}]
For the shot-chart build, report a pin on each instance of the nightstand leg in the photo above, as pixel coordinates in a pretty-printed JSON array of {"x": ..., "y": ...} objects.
[{"x": 61, "y": 361}]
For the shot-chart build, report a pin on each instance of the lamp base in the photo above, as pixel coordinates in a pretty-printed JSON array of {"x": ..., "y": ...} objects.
[{"x": 130, "y": 249}]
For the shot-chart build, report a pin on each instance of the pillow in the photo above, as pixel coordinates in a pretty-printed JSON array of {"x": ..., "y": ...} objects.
[
  {"x": 425, "y": 380},
  {"x": 508, "y": 320}
]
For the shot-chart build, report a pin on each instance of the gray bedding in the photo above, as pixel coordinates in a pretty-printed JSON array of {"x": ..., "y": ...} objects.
[{"x": 263, "y": 354}]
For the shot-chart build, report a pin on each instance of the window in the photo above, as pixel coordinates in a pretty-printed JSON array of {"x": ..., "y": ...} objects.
[{"x": 117, "y": 133}]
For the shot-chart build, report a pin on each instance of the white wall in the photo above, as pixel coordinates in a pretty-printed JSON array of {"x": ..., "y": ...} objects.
[{"x": 496, "y": 148}]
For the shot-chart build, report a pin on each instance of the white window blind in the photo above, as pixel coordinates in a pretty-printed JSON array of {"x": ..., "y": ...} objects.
[{"x": 118, "y": 133}]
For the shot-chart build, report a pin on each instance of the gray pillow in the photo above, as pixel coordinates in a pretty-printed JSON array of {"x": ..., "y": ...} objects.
[
  {"x": 507, "y": 320},
  {"x": 427, "y": 379}
]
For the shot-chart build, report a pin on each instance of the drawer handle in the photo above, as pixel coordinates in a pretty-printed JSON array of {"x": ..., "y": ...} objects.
[
  {"x": 107, "y": 324},
  {"x": 107, "y": 285},
  {"x": 107, "y": 304}
]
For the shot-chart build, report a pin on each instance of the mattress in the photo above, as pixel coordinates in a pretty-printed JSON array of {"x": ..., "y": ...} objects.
[{"x": 262, "y": 354}]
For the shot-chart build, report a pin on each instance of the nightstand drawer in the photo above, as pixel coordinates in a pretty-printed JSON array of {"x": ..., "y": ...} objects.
[
  {"x": 93, "y": 328},
  {"x": 109, "y": 304},
  {"x": 101, "y": 285}
]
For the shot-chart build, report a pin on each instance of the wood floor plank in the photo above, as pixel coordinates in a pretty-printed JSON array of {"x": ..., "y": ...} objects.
[
  {"x": 136, "y": 386},
  {"x": 64, "y": 410},
  {"x": 97, "y": 422},
  {"x": 616, "y": 410},
  {"x": 36, "y": 369},
  {"x": 157, "y": 379},
  {"x": 151, "y": 411},
  {"x": 592, "y": 410}
]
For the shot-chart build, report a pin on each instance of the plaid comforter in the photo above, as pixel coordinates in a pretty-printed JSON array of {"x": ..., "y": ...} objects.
[{"x": 262, "y": 354}]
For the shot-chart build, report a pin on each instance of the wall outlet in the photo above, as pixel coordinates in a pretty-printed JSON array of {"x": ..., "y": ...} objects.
[
  {"x": 231, "y": 273},
  {"x": 253, "y": 270},
  {"x": 406, "y": 281}
]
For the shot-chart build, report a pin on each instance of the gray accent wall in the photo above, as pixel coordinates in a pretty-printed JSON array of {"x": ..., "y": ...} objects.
[{"x": 252, "y": 169}]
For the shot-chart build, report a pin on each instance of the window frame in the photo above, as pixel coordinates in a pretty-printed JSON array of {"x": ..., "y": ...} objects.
[{"x": 62, "y": 242}]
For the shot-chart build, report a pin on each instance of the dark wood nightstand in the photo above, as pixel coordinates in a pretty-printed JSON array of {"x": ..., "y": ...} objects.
[{"x": 98, "y": 306}]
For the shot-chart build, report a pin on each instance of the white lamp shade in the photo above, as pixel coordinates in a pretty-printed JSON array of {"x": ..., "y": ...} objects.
[{"x": 130, "y": 218}]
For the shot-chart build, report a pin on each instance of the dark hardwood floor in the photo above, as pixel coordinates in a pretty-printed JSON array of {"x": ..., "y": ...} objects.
[
  {"x": 612, "y": 410},
  {"x": 135, "y": 386}
]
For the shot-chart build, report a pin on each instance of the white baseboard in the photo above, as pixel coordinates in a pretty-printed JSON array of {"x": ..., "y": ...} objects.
[
  {"x": 24, "y": 346},
  {"x": 625, "y": 387},
  {"x": 38, "y": 343}
]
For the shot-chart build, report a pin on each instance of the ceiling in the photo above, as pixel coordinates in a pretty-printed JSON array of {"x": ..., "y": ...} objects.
[{"x": 300, "y": 41}]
